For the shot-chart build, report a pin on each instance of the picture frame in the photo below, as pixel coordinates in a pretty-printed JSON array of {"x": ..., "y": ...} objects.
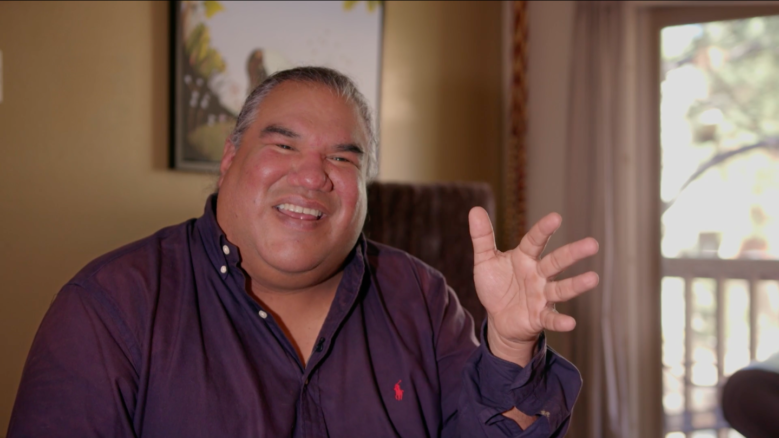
[{"x": 221, "y": 50}]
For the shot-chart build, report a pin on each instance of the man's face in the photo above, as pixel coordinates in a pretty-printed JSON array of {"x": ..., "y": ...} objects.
[{"x": 292, "y": 196}]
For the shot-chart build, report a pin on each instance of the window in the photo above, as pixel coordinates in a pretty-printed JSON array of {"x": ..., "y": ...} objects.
[{"x": 719, "y": 187}]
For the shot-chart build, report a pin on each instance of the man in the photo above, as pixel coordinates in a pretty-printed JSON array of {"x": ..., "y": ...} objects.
[{"x": 270, "y": 315}]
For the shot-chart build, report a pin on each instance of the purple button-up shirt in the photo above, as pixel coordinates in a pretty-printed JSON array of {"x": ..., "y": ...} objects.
[{"x": 160, "y": 339}]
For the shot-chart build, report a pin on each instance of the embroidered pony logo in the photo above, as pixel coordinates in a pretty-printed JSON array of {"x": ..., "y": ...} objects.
[{"x": 398, "y": 391}]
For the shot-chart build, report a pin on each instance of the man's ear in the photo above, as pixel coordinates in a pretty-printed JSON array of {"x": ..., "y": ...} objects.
[{"x": 227, "y": 160}]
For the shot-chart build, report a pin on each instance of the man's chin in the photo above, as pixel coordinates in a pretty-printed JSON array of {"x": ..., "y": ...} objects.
[
  {"x": 306, "y": 260},
  {"x": 299, "y": 263},
  {"x": 297, "y": 267}
]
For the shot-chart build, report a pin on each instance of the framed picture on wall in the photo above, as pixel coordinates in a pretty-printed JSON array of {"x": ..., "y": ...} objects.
[{"x": 223, "y": 49}]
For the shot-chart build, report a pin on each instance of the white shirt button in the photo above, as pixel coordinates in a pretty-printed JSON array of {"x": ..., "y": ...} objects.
[
  {"x": 263, "y": 314},
  {"x": 223, "y": 269},
  {"x": 226, "y": 249}
]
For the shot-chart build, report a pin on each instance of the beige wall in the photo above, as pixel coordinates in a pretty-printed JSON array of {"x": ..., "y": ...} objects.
[
  {"x": 550, "y": 29},
  {"x": 84, "y": 134},
  {"x": 441, "y": 92},
  {"x": 441, "y": 114},
  {"x": 84, "y": 138}
]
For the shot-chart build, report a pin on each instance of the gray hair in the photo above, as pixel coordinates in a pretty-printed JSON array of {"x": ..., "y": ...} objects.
[{"x": 338, "y": 82}]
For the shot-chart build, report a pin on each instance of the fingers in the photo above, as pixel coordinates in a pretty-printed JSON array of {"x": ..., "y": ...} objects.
[
  {"x": 481, "y": 234},
  {"x": 562, "y": 258},
  {"x": 564, "y": 290},
  {"x": 534, "y": 242},
  {"x": 557, "y": 322}
]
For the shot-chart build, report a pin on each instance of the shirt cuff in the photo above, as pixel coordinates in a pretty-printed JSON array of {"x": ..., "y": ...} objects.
[{"x": 547, "y": 387}]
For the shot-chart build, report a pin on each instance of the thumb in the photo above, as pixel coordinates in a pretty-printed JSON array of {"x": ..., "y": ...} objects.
[{"x": 482, "y": 236}]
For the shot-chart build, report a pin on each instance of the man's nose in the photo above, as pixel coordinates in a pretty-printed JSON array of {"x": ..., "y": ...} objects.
[{"x": 310, "y": 173}]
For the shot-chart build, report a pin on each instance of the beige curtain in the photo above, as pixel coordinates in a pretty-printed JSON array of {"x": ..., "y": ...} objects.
[{"x": 614, "y": 347}]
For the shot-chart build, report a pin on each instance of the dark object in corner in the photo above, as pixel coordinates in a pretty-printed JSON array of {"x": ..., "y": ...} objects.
[{"x": 750, "y": 403}]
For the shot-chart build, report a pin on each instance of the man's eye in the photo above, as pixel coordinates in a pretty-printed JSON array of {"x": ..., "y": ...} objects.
[
  {"x": 347, "y": 160},
  {"x": 283, "y": 146}
]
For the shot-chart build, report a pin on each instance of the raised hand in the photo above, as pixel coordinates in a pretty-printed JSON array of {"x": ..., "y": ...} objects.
[{"x": 517, "y": 287}]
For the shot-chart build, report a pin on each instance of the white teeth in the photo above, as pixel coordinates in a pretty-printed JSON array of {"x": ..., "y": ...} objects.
[{"x": 299, "y": 209}]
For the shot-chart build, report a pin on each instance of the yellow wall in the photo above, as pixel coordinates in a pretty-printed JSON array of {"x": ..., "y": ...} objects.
[
  {"x": 550, "y": 33},
  {"x": 83, "y": 138},
  {"x": 84, "y": 134},
  {"x": 441, "y": 92},
  {"x": 441, "y": 107}
]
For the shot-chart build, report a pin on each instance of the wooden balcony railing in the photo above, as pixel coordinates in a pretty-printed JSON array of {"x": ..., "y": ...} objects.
[{"x": 753, "y": 271}]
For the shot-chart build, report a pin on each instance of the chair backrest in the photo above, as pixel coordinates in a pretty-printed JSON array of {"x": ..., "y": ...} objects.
[{"x": 430, "y": 221}]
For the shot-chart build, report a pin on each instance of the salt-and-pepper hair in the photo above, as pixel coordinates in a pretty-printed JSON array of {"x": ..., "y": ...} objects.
[{"x": 338, "y": 82}]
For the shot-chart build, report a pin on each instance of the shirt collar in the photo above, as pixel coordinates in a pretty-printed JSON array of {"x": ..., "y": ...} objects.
[
  {"x": 219, "y": 251},
  {"x": 223, "y": 253}
]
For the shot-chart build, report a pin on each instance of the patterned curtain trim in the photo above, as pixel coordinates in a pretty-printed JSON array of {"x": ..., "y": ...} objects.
[{"x": 516, "y": 159}]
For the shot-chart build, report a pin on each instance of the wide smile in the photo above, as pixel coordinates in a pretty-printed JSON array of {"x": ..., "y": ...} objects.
[{"x": 299, "y": 212}]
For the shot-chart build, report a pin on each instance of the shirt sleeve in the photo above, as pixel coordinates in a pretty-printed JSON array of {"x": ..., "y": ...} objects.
[
  {"x": 477, "y": 387},
  {"x": 79, "y": 378},
  {"x": 546, "y": 387}
]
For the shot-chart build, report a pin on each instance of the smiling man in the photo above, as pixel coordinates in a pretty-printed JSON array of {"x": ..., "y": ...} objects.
[{"x": 271, "y": 315}]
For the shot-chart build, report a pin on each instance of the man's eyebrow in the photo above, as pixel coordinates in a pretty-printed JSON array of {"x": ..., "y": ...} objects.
[
  {"x": 286, "y": 132},
  {"x": 350, "y": 147},
  {"x": 277, "y": 129}
]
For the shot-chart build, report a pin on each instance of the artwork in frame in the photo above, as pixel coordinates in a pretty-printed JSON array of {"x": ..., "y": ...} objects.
[{"x": 223, "y": 49}]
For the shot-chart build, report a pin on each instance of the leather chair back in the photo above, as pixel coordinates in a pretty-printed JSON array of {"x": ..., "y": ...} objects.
[{"x": 430, "y": 221}]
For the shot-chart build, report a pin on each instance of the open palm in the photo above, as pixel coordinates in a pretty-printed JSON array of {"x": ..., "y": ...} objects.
[{"x": 516, "y": 287}]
